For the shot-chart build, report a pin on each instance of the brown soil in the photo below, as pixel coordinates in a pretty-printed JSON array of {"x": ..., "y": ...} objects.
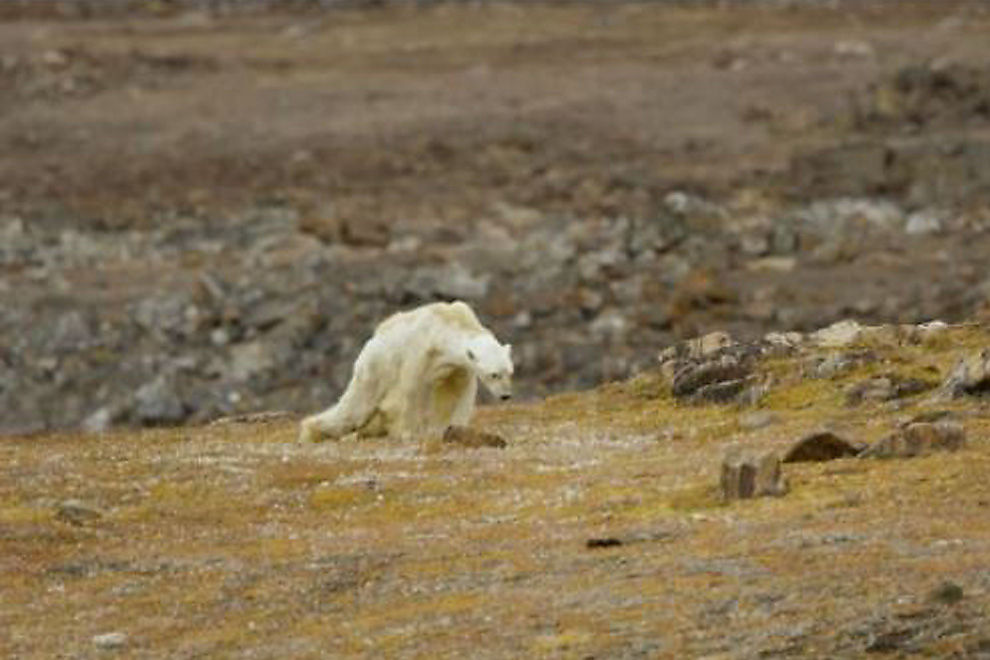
[{"x": 436, "y": 115}]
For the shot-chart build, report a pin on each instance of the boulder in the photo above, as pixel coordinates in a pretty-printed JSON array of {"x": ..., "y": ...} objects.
[
  {"x": 837, "y": 335},
  {"x": 969, "y": 377},
  {"x": 746, "y": 475},
  {"x": 917, "y": 439},
  {"x": 157, "y": 403}
]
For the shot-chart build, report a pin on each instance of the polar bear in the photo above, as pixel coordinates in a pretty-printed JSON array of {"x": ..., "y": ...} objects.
[{"x": 417, "y": 375}]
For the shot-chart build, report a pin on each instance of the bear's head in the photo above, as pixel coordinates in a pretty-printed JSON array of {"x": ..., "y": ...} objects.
[{"x": 492, "y": 364}]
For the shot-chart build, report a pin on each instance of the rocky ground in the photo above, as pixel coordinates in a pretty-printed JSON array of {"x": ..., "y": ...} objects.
[
  {"x": 205, "y": 208},
  {"x": 204, "y": 213},
  {"x": 598, "y": 529}
]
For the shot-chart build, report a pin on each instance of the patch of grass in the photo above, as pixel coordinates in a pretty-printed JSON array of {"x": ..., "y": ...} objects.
[
  {"x": 299, "y": 474},
  {"x": 341, "y": 499},
  {"x": 811, "y": 393},
  {"x": 698, "y": 497},
  {"x": 13, "y": 512}
]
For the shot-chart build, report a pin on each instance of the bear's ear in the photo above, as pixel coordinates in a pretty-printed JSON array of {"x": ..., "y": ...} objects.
[{"x": 471, "y": 356}]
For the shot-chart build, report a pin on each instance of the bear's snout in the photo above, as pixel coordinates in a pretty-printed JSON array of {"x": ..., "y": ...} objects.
[{"x": 506, "y": 397}]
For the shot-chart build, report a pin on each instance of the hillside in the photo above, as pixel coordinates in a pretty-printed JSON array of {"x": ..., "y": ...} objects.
[{"x": 598, "y": 531}]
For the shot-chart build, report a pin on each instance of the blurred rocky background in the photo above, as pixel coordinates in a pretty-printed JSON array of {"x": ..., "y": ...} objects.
[{"x": 205, "y": 207}]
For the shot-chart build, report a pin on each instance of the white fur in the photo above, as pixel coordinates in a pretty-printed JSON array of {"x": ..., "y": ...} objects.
[{"x": 417, "y": 375}]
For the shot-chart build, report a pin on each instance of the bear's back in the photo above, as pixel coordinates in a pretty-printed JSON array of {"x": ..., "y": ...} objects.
[{"x": 456, "y": 315}]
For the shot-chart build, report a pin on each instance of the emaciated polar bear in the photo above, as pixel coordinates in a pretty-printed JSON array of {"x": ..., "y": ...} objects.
[{"x": 417, "y": 375}]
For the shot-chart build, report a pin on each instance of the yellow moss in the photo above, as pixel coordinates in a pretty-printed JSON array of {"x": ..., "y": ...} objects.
[
  {"x": 819, "y": 393},
  {"x": 331, "y": 498},
  {"x": 695, "y": 498},
  {"x": 292, "y": 475},
  {"x": 567, "y": 640},
  {"x": 13, "y": 512}
]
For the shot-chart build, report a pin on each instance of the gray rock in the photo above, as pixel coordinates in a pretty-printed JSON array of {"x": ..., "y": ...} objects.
[
  {"x": 77, "y": 512},
  {"x": 838, "y": 362},
  {"x": 885, "y": 388},
  {"x": 70, "y": 333},
  {"x": 269, "y": 312},
  {"x": 969, "y": 377},
  {"x": 99, "y": 421},
  {"x": 219, "y": 337},
  {"x": 693, "y": 377},
  {"x": 772, "y": 264},
  {"x": 686, "y": 204},
  {"x": 157, "y": 403},
  {"x": 837, "y": 335},
  {"x": 250, "y": 360},
  {"x": 744, "y": 476},
  {"x": 713, "y": 342},
  {"x": 609, "y": 326},
  {"x": 784, "y": 342},
  {"x": 162, "y": 314},
  {"x": 922, "y": 223}
]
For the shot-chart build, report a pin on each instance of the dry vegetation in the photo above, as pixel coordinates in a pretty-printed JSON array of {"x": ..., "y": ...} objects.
[{"x": 232, "y": 540}]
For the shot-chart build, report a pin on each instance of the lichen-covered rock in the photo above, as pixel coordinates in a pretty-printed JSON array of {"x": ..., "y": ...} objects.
[
  {"x": 746, "y": 475},
  {"x": 969, "y": 377},
  {"x": 917, "y": 439},
  {"x": 837, "y": 335},
  {"x": 885, "y": 388},
  {"x": 715, "y": 380}
]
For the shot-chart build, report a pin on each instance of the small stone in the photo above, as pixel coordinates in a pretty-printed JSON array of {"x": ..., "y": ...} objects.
[
  {"x": 111, "y": 640},
  {"x": 838, "y": 362},
  {"x": 77, "y": 512},
  {"x": 219, "y": 337},
  {"x": 250, "y": 360},
  {"x": 775, "y": 264},
  {"x": 468, "y": 437},
  {"x": 821, "y": 446},
  {"x": 853, "y": 48},
  {"x": 746, "y": 476},
  {"x": 923, "y": 223},
  {"x": 99, "y": 421}
]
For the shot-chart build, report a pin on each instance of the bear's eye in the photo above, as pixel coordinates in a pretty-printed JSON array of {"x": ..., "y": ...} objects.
[{"x": 495, "y": 376}]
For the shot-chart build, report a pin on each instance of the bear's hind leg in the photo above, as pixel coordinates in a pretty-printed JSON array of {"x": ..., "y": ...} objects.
[{"x": 348, "y": 415}]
